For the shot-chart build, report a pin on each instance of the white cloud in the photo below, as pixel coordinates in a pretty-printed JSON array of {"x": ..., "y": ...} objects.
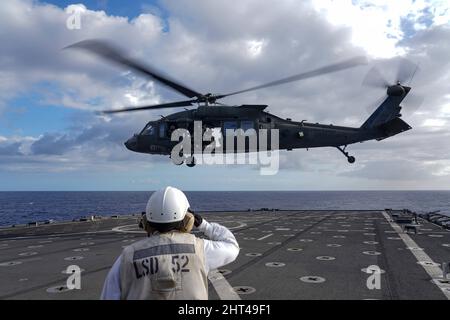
[
  {"x": 255, "y": 47},
  {"x": 248, "y": 43},
  {"x": 444, "y": 171},
  {"x": 434, "y": 123},
  {"x": 377, "y": 24},
  {"x": 445, "y": 109}
]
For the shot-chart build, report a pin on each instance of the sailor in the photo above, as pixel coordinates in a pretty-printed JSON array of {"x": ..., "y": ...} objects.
[{"x": 171, "y": 263}]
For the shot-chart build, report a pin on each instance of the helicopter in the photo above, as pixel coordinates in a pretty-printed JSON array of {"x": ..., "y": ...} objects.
[{"x": 155, "y": 137}]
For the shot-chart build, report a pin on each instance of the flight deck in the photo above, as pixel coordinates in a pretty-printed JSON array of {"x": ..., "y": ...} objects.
[{"x": 295, "y": 255}]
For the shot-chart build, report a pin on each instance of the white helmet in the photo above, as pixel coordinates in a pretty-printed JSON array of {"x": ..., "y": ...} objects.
[{"x": 167, "y": 205}]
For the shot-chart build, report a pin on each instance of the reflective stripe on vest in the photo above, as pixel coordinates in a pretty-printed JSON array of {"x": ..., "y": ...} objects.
[{"x": 164, "y": 266}]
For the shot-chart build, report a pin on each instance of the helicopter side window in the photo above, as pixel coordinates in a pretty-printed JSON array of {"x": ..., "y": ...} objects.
[
  {"x": 149, "y": 130},
  {"x": 231, "y": 125},
  {"x": 247, "y": 124},
  {"x": 162, "y": 130}
]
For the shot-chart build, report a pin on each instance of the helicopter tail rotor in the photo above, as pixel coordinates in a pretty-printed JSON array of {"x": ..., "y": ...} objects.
[{"x": 396, "y": 85}]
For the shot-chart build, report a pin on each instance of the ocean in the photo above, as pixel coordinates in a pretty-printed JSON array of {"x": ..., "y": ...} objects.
[{"x": 24, "y": 207}]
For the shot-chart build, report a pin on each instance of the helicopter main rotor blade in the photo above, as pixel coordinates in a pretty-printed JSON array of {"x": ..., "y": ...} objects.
[
  {"x": 108, "y": 51},
  {"x": 186, "y": 103},
  {"x": 356, "y": 61}
]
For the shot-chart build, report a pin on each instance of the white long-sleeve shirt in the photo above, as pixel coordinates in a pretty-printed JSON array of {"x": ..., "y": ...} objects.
[{"x": 221, "y": 249}]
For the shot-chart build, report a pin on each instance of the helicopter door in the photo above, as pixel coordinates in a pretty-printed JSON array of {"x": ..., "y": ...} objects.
[
  {"x": 248, "y": 126},
  {"x": 231, "y": 126},
  {"x": 266, "y": 123}
]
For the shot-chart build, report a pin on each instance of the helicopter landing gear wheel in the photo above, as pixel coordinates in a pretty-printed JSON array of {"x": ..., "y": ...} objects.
[
  {"x": 350, "y": 159},
  {"x": 190, "y": 161}
]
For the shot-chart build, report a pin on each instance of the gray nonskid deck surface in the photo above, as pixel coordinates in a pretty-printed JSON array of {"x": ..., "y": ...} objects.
[{"x": 284, "y": 255}]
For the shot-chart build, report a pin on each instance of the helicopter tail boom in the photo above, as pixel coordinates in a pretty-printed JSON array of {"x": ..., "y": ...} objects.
[
  {"x": 385, "y": 121},
  {"x": 389, "y": 109},
  {"x": 386, "y": 118}
]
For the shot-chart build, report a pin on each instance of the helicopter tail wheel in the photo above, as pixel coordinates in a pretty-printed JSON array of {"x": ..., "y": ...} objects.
[
  {"x": 190, "y": 161},
  {"x": 350, "y": 159}
]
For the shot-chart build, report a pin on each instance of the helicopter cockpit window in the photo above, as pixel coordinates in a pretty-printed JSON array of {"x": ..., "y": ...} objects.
[
  {"x": 230, "y": 125},
  {"x": 149, "y": 130}
]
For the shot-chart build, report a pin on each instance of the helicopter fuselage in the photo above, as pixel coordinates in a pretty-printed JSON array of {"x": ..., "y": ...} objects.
[{"x": 155, "y": 138}]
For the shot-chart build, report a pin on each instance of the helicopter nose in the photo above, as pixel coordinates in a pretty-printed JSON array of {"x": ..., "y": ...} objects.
[{"x": 131, "y": 144}]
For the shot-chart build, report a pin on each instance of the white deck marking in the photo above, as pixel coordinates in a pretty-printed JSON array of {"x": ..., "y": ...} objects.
[
  {"x": 125, "y": 229},
  {"x": 341, "y": 230},
  {"x": 433, "y": 270},
  {"x": 240, "y": 225},
  {"x": 56, "y": 235},
  {"x": 223, "y": 288},
  {"x": 266, "y": 236}
]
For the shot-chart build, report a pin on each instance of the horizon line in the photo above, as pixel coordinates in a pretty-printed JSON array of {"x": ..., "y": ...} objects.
[{"x": 312, "y": 190}]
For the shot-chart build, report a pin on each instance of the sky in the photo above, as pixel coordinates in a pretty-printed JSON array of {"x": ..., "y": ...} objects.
[{"x": 51, "y": 138}]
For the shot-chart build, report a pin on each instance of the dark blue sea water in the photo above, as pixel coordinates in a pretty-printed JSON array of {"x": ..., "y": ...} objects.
[{"x": 24, "y": 207}]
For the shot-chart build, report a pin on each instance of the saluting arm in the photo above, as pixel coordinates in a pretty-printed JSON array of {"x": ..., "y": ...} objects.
[{"x": 221, "y": 248}]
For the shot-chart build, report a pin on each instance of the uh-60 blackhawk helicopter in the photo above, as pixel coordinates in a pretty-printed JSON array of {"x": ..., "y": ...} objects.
[{"x": 155, "y": 137}]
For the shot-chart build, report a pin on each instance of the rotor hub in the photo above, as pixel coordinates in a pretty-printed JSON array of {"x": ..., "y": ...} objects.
[
  {"x": 208, "y": 99},
  {"x": 396, "y": 90}
]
